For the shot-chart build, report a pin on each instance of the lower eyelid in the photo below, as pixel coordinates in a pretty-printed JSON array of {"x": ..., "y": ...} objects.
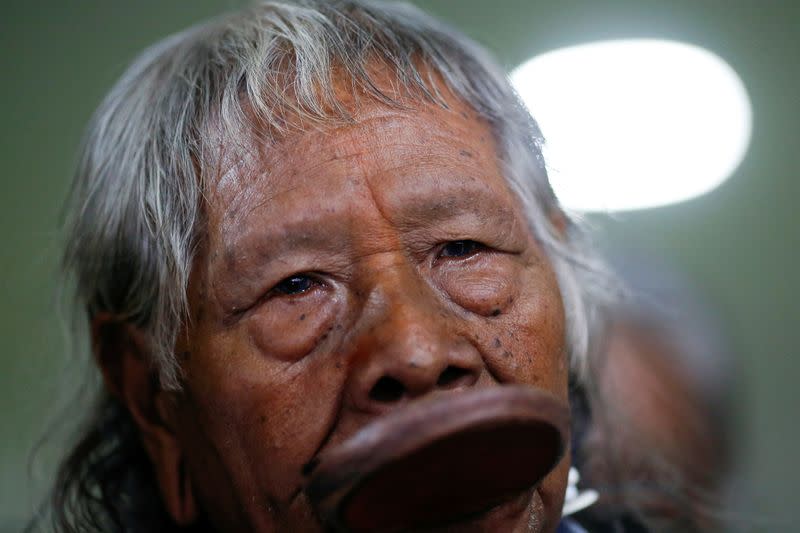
[{"x": 240, "y": 312}]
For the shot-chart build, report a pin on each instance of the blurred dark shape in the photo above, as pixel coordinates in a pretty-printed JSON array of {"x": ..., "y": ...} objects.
[{"x": 660, "y": 438}]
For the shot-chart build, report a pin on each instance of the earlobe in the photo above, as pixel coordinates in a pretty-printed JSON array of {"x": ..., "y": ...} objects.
[{"x": 122, "y": 355}]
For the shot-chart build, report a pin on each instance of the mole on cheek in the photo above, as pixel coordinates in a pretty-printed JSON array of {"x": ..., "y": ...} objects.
[
  {"x": 499, "y": 344},
  {"x": 326, "y": 333}
]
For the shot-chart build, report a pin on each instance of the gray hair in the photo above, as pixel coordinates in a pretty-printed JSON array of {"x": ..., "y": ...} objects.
[{"x": 136, "y": 214}]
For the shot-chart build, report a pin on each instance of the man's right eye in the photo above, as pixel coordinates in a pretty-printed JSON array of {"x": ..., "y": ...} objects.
[{"x": 293, "y": 285}]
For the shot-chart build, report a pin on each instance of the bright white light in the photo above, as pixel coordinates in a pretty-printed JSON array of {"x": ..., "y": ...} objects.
[{"x": 636, "y": 123}]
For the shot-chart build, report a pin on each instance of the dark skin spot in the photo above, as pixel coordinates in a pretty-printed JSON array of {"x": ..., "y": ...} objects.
[
  {"x": 497, "y": 342},
  {"x": 309, "y": 466},
  {"x": 507, "y": 354},
  {"x": 186, "y": 355},
  {"x": 303, "y": 316},
  {"x": 325, "y": 335},
  {"x": 465, "y": 153},
  {"x": 496, "y": 312},
  {"x": 262, "y": 418}
]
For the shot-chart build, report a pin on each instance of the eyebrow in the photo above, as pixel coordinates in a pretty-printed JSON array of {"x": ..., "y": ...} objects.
[
  {"x": 430, "y": 209},
  {"x": 268, "y": 244}
]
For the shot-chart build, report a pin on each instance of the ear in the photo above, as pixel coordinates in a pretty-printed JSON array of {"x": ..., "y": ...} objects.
[{"x": 122, "y": 355}]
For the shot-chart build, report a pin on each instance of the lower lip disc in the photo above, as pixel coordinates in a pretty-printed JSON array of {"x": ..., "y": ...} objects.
[{"x": 440, "y": 459}]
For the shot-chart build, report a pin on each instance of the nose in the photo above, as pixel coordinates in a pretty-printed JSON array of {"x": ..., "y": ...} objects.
[{"x": 409, "y": 348}]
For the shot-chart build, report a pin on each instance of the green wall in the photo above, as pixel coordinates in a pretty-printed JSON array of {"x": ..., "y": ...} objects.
[{"x": 740, "y": 243}]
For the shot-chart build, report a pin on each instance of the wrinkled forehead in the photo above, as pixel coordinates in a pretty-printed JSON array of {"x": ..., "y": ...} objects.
[{"x": 251, "y": 166}]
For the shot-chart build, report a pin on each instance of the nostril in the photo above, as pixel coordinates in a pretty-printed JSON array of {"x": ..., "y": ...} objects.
[
  {"x": 387, "y": 390},
  {"x": 453, "y": 377}
]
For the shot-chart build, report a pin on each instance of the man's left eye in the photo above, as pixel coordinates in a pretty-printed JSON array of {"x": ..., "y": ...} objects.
[{"x": 463, "y": 248}]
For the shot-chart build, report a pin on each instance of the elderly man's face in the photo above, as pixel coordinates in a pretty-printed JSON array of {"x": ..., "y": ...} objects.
[{"x": 349, "y": 271}]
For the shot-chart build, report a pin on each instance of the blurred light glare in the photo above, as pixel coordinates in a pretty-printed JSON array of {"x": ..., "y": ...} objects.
[{"x": 632, "y": 124}]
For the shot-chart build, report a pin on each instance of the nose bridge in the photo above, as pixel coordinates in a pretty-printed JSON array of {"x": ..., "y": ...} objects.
[
  {"x": 407, "y": 318},
  {"x": 409, "y": 342},
  {"x": 406, "y": 345}
]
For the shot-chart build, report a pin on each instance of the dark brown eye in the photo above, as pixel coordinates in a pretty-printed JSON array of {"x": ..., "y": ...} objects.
[
  {"x": 455, "y": 249},
  {"x": 294, "y": 285}
]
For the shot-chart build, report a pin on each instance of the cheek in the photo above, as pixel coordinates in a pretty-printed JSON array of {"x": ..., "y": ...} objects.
[
  {"x": 522, "y": 338},
  {"x": 538, "y": 335},
  {"x": 262, "y": 420},
  {"x": 259, "y": 406}
]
